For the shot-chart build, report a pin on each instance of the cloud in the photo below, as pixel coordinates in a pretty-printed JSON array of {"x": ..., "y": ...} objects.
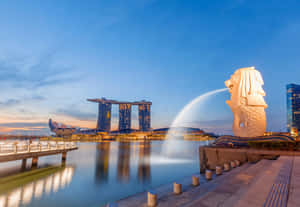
[
  {"x": 34, "y": 74},
  {"x": 38, "y": 128},
  {"x": 12, "y": 102},
  {"x": 24, "y": 124},
  {"x": 38, "y": 98},
  {"x": 77, "y": 114}
]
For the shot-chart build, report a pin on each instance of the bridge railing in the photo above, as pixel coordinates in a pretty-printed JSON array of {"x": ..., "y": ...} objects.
[{"x": 26, "y": 146}]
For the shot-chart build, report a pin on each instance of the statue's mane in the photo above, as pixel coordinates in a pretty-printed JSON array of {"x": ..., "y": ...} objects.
[
  {"x": 250, "y": 83},
  {"x": 248, "y": 88}
]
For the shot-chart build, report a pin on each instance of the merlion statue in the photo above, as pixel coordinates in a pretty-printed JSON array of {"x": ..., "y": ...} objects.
[{"x": 247, "y": 102}]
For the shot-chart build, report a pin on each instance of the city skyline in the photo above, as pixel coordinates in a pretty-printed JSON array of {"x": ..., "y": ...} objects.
[{"x": 54, "y": 55}]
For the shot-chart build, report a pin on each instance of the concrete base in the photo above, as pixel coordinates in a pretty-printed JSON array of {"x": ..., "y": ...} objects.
[
  {"x": 34, "y": 162},
  {"x": 24, "y": 163},
  {"x": 64, "y": 157},
  {"x": 210, "y": 157}
]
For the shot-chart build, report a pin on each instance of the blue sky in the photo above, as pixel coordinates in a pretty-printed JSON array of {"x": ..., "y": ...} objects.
[{"x": 56, "y": 54}]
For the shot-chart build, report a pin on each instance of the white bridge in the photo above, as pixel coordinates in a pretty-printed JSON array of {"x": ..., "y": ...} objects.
[{"x": 23, "y": 150}]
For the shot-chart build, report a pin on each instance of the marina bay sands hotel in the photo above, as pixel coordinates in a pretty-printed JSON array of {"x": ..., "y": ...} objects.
[{"x": 104, "y": 114}]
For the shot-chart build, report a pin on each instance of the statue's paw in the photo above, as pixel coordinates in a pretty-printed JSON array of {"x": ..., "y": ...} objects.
[{"x": 229, "y": 103}]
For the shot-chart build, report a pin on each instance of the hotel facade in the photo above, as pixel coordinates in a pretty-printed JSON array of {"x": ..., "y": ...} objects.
[{"x": 293, "y": 108}]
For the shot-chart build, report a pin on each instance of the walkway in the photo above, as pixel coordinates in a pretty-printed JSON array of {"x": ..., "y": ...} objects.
[{"x": 267, "y": 183}]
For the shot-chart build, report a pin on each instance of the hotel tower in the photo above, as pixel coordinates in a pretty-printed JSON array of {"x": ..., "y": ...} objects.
[{"x": 293, "y": 108}]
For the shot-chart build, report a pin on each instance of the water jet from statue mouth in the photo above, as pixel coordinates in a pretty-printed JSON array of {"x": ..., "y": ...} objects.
[
  {"x": 164, "y": 160},
  {"x": 174, "y": 147}
]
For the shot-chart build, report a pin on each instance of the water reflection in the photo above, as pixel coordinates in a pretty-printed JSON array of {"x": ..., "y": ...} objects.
[
  {"x": 127, "y": 154},
  {"x": 113, "y": 170},
  {"x": 124, "y": 161},
  {"x": 35, "y": 190},
  {"x": 144, "y": 170},
  {"x": 102, "y": 161}
]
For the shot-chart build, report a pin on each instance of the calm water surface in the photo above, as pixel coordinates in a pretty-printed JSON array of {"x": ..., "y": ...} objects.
[{"x": 98, "y": 173}]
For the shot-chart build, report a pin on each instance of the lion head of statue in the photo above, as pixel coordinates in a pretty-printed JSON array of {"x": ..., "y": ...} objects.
[{"x": 245, "y": 86}]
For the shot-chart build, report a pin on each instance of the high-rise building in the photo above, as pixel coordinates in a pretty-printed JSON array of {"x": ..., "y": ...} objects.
[
  {"x": 293, "y": 107},
  {"x": 104, "y": 117},
  {"x": 144, "y": 117},
  {"x": 124, "y": 116}
]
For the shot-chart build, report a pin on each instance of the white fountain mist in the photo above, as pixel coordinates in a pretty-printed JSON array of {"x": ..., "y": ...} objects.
[{"x": 172, "y": 146}]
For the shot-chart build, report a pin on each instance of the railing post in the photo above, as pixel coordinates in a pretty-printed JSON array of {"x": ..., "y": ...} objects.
[
  {"x": 40, "y": 147},
  {"x": 226, "y": 167},
  {"x": 152, "y": 199},
  {"x": 208, "y": 175},
  {"x": 28, "y": 147},
  {"x": 177, "y": 189},
  {"x": 218, "y": 170},
  {"x": 49, "y": 147},
  {"x": 195, "y": 180},
  {"x": 56, "y": 145},
  {"x": 15, "y": 148},
  {"x": 232, "y": 164}
]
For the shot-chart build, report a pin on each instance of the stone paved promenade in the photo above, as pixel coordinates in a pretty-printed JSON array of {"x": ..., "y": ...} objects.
[{"x": 266, "y": 182}]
